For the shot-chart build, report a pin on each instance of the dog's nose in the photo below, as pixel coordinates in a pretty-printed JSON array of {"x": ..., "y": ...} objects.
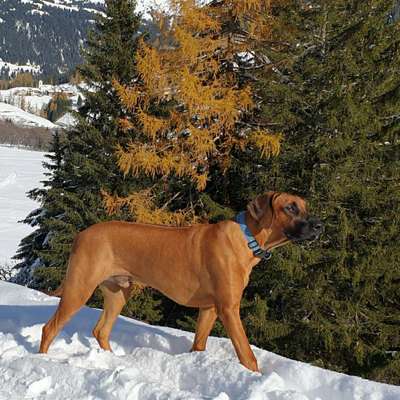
[{"x": 316, "y": 225}]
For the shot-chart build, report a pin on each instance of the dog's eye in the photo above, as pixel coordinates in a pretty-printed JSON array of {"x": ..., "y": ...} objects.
[{"x": 291, "y": 208}]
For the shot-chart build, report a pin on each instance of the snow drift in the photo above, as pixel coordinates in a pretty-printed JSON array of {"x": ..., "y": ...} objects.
[{"x": 149, "y": 362}]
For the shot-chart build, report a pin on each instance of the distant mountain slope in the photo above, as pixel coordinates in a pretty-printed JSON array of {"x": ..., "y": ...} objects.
[
  {"x": 44, "y": 33},
  {"x": 45, "y": 36}
]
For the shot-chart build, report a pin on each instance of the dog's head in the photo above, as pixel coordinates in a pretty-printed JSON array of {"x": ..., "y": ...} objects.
[{"x": 286, "y": 217}]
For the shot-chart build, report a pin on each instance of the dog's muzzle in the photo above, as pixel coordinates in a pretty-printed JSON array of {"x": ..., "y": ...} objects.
[{"x": 306, "y": 229}]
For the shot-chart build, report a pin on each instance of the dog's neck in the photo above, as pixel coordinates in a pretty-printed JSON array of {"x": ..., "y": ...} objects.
[
  {"x": 263, "y": 234},
  {"x": 260, "y": 234}
]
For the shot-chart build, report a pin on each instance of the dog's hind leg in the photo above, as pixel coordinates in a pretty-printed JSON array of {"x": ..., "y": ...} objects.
[
  {"x": 67, "y": 308},
  {"x": 115, "y": 297},
  {"x": 75, "y": 294}
]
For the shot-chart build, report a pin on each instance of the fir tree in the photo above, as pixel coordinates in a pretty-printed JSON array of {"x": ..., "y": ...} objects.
[
  {"x": 88, "y": 161},
  {"x": 32, "y": 245},
  {"x": 336, "y": 303}
]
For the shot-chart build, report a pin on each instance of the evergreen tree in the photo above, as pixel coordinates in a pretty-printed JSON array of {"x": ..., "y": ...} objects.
[
  {"x": 337, "y": 303},
  {"x": 88, "y": 161},
  {"x": 79, "y": 101},
  {"x": 31, "y": 246},
  {"x": 59, "y": 105}
]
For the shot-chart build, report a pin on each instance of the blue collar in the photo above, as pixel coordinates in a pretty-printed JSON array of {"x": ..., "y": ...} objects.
[{"x": 251, "y": 240}]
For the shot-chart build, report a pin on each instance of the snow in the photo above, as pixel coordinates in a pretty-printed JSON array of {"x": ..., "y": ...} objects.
[
  {"x": 20, "y": 171},
  {"x": 58, "y": 4},
  {"x": 149, "y": 362},
  {"x": 22, "y": 118},
  {"x": 39, "y": 12},
  {"x": 34, "y": 99},
  {"x": 69, "y": 5},
  {"x": 144, "y": 6},
  {"x": 66, "y": 121}
]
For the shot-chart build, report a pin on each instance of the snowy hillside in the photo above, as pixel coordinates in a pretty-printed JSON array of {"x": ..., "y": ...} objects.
[
  {"x": 145, "y": 6},
  {"x": 33, "y": 100},
  {"x": 20, "y": 171},
  {"x": 23, "y": 118},
  {"x": 66, "y": 121},
  {"x": 149, "y": 362},
  {"x": 13, "y": 69}
]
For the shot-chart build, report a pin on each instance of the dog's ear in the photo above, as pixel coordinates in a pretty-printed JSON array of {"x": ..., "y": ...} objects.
[{"x": 261, "y": 206}]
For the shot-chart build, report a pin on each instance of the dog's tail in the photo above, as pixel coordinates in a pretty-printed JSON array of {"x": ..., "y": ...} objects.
[{"x": 57, "y": 292}]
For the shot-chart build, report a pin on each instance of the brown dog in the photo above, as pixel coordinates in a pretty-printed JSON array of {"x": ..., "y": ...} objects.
[{"x": 205, "y": 266}]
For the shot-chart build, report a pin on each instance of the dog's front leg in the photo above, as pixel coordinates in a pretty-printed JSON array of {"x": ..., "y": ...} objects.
[
  {"x": 205, "y": 322},
  {"x": 230, "y": 317}
]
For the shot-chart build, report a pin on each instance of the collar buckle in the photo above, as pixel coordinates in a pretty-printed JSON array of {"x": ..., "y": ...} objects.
[
  {"x": 264, "y": 254},
  {"x": 267, "y": 255}
]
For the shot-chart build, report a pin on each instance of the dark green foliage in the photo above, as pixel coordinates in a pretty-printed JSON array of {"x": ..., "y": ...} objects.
[
  {"x": 48, "y": 279},
  {"x": 215, "y": 212},
  {"x": 188, "y": 323},
  {"x": 336, "y": 302},
  {"x": 144, "y": 306}
]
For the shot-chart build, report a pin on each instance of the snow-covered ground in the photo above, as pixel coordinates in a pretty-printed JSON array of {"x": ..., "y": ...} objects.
[
  {"x": 145, "y": 6},
  {"x": 23, "y": 118},
  {"x": 149, "y": 362},
  {"x": 32, "y": 103},
  {"x": 20, "y": 171},
  {"x": 33, "y": 99},
  {"x": 66, "y": 121}
]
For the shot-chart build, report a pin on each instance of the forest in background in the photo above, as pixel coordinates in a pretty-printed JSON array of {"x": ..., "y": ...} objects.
[{"x": 229, "y": 101}]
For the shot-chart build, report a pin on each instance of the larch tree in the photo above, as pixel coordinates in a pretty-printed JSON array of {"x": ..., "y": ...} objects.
[
  {"x": 193, "y": 106},
  {"x": 198, "y": 140}
]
